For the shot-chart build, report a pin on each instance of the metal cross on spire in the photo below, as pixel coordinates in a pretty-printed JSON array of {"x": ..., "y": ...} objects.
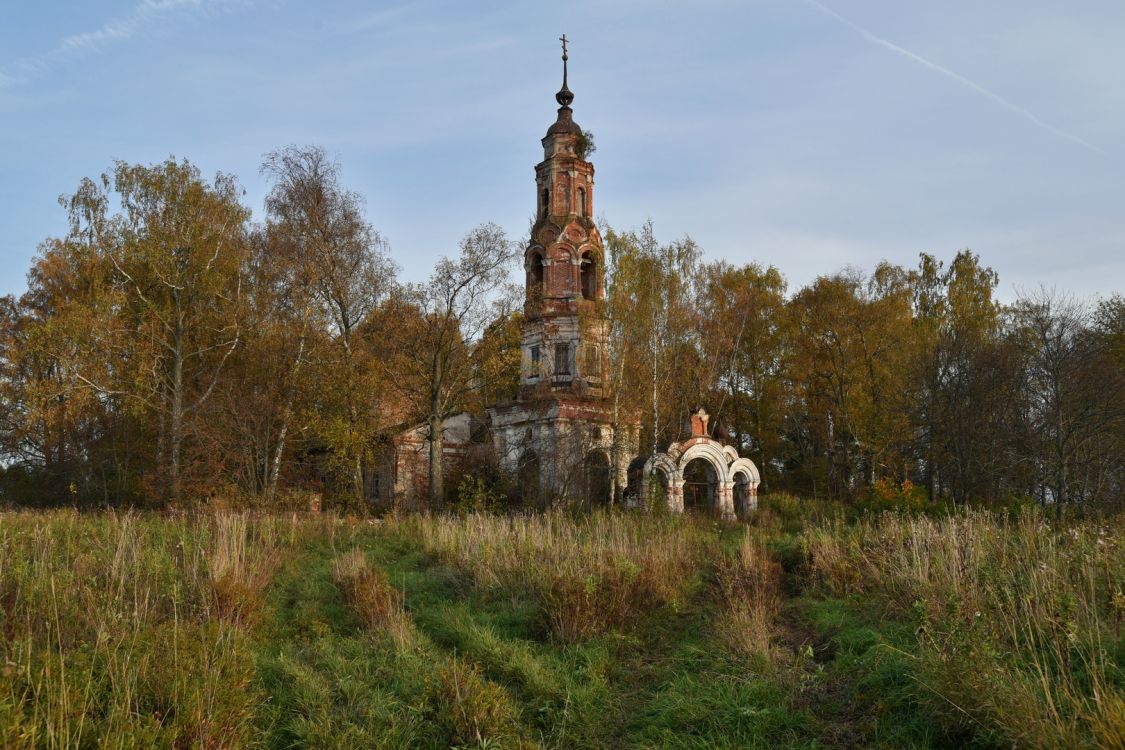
[{"x": 564, "y": 97}]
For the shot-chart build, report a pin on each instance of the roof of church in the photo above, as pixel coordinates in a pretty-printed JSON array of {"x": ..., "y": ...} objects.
[{"x": 565, "y": 123}]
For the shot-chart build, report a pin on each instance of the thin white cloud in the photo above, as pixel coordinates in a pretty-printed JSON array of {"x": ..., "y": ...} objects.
[
  {"x": 143, "y": 16},
  {"x": 378, "y": 19},
  {"x": 955, "y": 76}
]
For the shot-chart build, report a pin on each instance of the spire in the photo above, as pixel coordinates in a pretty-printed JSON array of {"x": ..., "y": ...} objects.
[
  {"x": 565, "y": 123},
  {"x": 565, "y": 96}
]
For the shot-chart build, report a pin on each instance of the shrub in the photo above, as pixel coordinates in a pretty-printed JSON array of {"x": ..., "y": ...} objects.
[
  {"x": 888, "y": 494},
  {"x": 475, "y": 495},
  {"x": 785, "y": 508}
]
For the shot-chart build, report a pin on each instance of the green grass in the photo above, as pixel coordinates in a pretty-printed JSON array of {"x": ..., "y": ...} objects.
[{"x": 554, "y": 632}]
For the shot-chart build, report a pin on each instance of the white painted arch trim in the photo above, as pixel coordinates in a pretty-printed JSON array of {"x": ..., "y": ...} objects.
[
  {"x": 728, "y": 466},
  {"x": 660, "y": 462},
  {"x": 747, "y": 467},
  {"x": 710, "y": 452}
]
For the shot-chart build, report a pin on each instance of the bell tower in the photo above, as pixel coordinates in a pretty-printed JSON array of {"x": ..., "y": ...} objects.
[
  {"x": 564, "y": 336},
  {"x": 561, "y": 427}
]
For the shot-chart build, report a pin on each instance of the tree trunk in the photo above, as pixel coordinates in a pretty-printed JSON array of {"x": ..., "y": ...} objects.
[
  {"x": 176, "y": 416},
  {"x": 618, "y": 491},
  {"x": 286, "y": 418},
  {"x": 437, "y": 479},
  {"x": 655, "y": 406},
  {"x": 357, "y": 480}
]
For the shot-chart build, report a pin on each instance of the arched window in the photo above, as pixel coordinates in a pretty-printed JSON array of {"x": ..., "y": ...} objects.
[
  {"x": 546, "y": 201},
  {"x": 534, "y": 362},
  {"x": 534, "y": 274},
  {"x": 589, "y": 276},
  {"x": 581, "y": 201}
]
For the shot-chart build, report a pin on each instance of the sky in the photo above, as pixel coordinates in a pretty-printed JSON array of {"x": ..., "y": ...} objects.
[{"x": 807, "y": 135}]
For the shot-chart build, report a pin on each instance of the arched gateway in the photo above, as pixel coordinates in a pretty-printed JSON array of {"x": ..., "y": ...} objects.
[{"x": 729, "y": 483}]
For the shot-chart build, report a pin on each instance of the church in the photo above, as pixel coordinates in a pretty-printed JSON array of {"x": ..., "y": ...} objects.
[{"x": 560, "y": 437}]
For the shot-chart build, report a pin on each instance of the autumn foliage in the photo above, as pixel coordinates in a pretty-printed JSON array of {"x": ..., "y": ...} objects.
[{"x": 171, "y": 351}]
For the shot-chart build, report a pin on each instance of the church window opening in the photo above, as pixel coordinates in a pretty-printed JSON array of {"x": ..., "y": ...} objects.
[
  {"x": 562, "y": 359},
  {"x": 546, "y": 201},
  {"x": 589, "y": 276},
  {"x": 581, "y": 201},
  {"x": 534, "y": 357}
]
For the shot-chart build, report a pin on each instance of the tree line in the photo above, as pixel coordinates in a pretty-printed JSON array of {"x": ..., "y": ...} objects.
[
  {"x": 901, "y": 382},
  {"x": 168, "y": 349}
]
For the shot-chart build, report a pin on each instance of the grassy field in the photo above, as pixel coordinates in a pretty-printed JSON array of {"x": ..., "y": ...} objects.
[{"x": 799, "y": 630}]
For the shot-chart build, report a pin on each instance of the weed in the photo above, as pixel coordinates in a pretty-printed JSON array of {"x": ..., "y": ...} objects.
[
  {"x": 804, "y": 628},
  {"x": 371, "y": 595},
  {"x": 472, "y": 711}
]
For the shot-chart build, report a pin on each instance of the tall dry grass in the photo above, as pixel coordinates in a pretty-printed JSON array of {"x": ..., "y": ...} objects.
[
  {"x": 241, "y": 560},
  {"x": 470, "y": 709},
  {"x": 126, "y": 630},
  {"x": 374, "y": 599},
  {"x": 749, "y": 588},
  {"x": 589, "y": 574},
  {"x": 1020, "y": 623}
]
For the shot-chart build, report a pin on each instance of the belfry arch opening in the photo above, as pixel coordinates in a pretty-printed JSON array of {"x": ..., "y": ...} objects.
[
  {"x": 534, "y": 275},
  {"x": 581, "y": 201},
  {"x": 589, "y": 276}
]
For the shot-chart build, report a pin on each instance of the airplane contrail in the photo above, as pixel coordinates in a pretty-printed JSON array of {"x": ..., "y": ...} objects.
[{"x": 950, "y": 74}]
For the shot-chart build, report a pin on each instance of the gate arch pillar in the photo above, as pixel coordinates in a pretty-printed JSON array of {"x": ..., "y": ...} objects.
[
  {"x": 676, "y": 493},
  {"x": 726, "y": 501}
]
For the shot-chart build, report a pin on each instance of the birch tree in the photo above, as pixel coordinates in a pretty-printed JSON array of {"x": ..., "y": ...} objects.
[
  {"x": 435, "y": 366},
  {"x": 335, "y": 274},
  {"x": 176, "y": 249}
]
